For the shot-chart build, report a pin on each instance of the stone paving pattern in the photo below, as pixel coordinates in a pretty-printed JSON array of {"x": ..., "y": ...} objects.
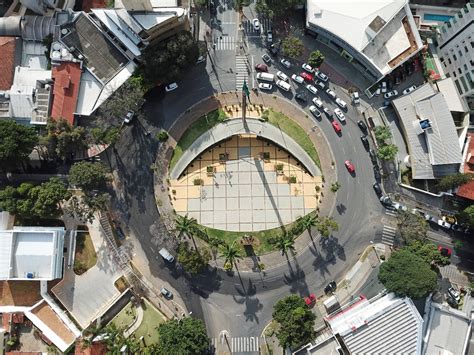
[{"x": 245, "y": 192}]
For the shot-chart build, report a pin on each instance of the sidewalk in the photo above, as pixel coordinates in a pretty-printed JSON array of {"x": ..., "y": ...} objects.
[{"x": 221, "y": 100}]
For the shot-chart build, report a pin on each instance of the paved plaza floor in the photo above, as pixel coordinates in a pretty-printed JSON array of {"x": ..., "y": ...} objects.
[{"x": 245, "y": 184}]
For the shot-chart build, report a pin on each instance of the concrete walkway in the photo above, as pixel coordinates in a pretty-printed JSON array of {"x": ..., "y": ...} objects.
[
  {"x": 282, "y": 105},
  {"x": 135, "y": 325}
]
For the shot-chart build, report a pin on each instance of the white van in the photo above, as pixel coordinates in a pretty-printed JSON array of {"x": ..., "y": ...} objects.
[
  {"x": 266, "y": 77},
  {"x": 283, "y": 85},
  {"x": 166, "y": 255}
]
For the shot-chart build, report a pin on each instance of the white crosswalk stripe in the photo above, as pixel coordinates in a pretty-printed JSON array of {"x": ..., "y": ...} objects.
[
  {"x": 390, "y": 211},
  {"x": 388, "y": 235},
  {"x": 265, "y": 25},
  {"x": 241, "y": 71},
  {"x": 225, "y": 43},
  {"x": 244, "y": 344}
]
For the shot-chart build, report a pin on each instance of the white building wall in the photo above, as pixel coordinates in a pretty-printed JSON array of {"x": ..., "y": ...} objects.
[{"x": 456, "y": 53}]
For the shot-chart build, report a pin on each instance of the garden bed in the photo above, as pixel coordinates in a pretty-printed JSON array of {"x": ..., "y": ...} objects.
[{"x": 85, "y": 255}]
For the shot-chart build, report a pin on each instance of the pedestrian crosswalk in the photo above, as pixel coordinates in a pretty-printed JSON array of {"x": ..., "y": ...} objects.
[
  {"x": 388, "y": 235},
  {"x": 236, "y": 345},
  {"x": 225, "y": 43},
  {"x": 390, "y": 211},
  {"x": 265, "y": 25},
  {"x": 241, "y": 71}
]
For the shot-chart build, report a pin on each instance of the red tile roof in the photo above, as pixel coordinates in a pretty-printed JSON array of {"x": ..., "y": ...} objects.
[
  {"x": 67, "y": 78},
  {"x": 7, "y": 62},
  {"x": 87, "y": 5},
  {"x": 467, "y": 190},
  {"x": 96, "y": 348}
]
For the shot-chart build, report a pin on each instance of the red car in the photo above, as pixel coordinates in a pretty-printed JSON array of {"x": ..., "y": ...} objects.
[
  {"x": 310, "y": 300},
  {"x": 350, "y": 167},
  {"x": 307, "y": 76},
  {"x": 444, "y": 251},
  {"x": 336, "y": 126},
  {"x": 261, "y": 67}
]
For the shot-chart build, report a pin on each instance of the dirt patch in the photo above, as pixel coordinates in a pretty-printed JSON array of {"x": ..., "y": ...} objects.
[
  {"x": 85, "y": 256},
  {"x": 19, "y": 293}
]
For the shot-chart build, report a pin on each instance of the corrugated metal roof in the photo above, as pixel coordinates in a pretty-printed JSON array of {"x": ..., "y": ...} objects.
[{"x": 436, "y": 152}]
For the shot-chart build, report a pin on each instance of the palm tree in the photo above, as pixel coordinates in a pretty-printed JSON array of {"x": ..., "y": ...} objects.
[
  {"x": 231, "y": 253},
  {"x": 285, "y": 243},
  {"x": 326, "y": 226},
  {"x": 188, "y": 226},
  {"x": 309, "y": 221}
]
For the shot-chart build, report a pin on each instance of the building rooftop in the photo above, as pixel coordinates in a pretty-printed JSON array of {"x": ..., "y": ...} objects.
[
  {"x": 31, "y": 253},
  {"x": 383, "y": 30},
  {"x": 448, "y": 331},
  {"x": 454, "y": 102},
  {"x": 385, "y": 325},
  {"x": 430, "y": 133},
  {"x": 7, "y": 62},
  {"x": 67, "y": 80},
  {"x": 19, "y": 293},
  {"x": 467, "y": 190}
]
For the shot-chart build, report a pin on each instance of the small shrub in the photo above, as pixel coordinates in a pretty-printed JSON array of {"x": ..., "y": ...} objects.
[
  {"x": 227, "y": 266},
  {"x": 292, "y": 180},
  {"x": 318, "y": 188},
  {"x": 162, "y": 136},
  {"x": 198, "y": 181},
  {"x": 279, "y": 167}
]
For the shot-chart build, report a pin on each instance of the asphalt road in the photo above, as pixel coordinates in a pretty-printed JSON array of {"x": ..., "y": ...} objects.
[{"x": 242, "y": 303}]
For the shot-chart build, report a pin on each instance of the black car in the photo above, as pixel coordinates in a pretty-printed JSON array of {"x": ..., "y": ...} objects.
[
  {"x": 373, "y": 157},
  {"x": 362, "y": 126},
  {"x": 377, "y": 173},
  {"x": 300, "y": 97},
  {"x": 365, "y": 141},
  {"x": 273, "y": 50},
  {"x": 386, "y": 200},
  {"x": 330, "y": 287},
  {"x": 377, "y": 188}
]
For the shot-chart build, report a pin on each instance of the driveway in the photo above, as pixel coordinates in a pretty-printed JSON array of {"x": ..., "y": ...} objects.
[{"x": 89, "y": 295}]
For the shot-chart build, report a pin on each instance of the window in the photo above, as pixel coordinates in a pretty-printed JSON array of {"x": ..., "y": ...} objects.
[
  {"x": 472, "y": 44},
  {"x": 448, "y": 75},
  {"x": 465, "y": 68},
  {"x": 454, "y": 73},
  {"x": 470, "y": 79},
  {"x": 464, "y": 84},
  {"x": 441, "y": 59},
  {"x": 458, "y": 86},
  {"x": 454, "y": 57},
  {"x": 449, "y": 60},
  {"x": 460, "y": 53},
  {"x": 465, "y": 49}
]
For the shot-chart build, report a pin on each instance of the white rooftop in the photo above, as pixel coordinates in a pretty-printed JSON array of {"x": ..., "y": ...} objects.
[
  {"x": 31, "y": 253},
  {"x": 387, "y": 325},
  {"x": 159, "y": 15},
  {"x": 447, "y": 88}
]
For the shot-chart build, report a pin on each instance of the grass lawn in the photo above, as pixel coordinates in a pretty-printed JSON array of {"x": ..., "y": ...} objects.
[
  {"x": 85, "y": 256},
  {"x": 195, "y": 130},
  {"x": 125, "y": 317},
  {"x": 295, "y": 131}
]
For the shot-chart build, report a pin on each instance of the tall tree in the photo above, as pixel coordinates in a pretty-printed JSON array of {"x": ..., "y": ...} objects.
[
  {"x": 407, "y": 274},
  {"x": 467, "y": 216},
  {"x": 16, "y": 143},
  {"x": 192, "y": 260},
  {"x": 387, "y": 152},
  {"x": 284, "y": 243},
  {"x": 411, "y": 226},
  {"x": 428, "y": 252},
  {"x": 382, "y": 133},
  {"x": 187, "y": 226},
  {"x": 185, "y": 336},
  {"x": 292, "y": 47},
  {"x": 309, "y": 221},
  {"x": 64, "y": 140},
  {"x": 296, "y": 322},
  {"x": 452, "y": 181},
  {"x": 326, "y": 226},
  {"x": 316, "y": 58},
  {"x": 87, "y": 175},
  {"x": 231, "y": 254}
]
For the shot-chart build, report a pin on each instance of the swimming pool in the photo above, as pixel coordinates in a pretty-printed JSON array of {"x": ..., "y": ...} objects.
[{"x": 437, "y": 17}]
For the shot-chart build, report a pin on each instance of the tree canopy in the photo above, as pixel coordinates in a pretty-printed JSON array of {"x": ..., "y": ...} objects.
[
  {"x": 16, "y": 143},
  {"x": 408, "y": 274},
  {"x": 186, "y": 336},
  {"x": 387, "y": 152},
  {"x": 327, "y": 225},
  {"x": 467, "y": 215},
  {"x": 316, "y": 58},
  {"x": 452, "y": 181},
  {"x": 296, "y": 322},
  {"x": 87, "y": 175},
  {"x": 382, "y": 133},
  {"x": 411, "y": 226},
  {"x": 193, "y": 261},
  {"x": 63, "y": 139},
  {"x": 428, "y": 252},
  {"x": 292, "y": 47}
]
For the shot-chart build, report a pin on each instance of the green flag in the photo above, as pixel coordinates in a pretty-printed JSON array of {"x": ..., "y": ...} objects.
[{"x": 245, "y": 89}]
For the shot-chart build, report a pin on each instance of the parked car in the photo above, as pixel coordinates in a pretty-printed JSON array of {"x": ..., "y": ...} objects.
[
  {"x": 269, "y": 37},
  {"x": 307, "y": 76},
  {"x": 390, "y": 94},
  {"x": 317, "y": 101},
  {"x": 399, "y": 206},
  {"x": 444, "y": 224},
  {"x": 297, "y": 79},
  {"x": 409, "y": 90},
  {"x": 349, "y": 166},
  {"x": 321, "y": 84},
  {"x": 328, "y": 112},
  {"x": 265, "y": 86},
  {"x": 274, "y": 50},
  {"x": 377, "y": 175},
  {"x": 261, "y": 67},
  {"x": 365, "y": 142},
  {"x": 387, "y": 201},
  {"x": 283, "y": 85},
  {"x": 454, "y": 294},
  {"x": 282, "y": 76},
  {"x": 300, "y": 97},
  {"x": 340, "y": 115},
  {"x": 373, "y": 156},
  {"x": 307, "y": 67},
  {"x": 285, "y": 62},
  {"x": 336, "y": 126},
  {"x": 310, "y": 300},
  {"x": 171, "y": 87},
  {"x": 266, "y": 58},
  {"x": 383, "y": 87},
  {"x": 129, "y": 117},
  {"x": 166, "y": 293},
  {"x": 201, "y": 59},
  {"x": 331, "y": 94},
  {"x": 322, "y": 76},
  {"x": 355, "y": 98},
  {"x": 377, "y": 188},
  {"x": 330, "y": 287},
  {"x": 314, "y": 111},
  {"x": 256, "y": 24},
  {"x": 341, "y": 103},
  {"x": 444, "y": 251},
  {"x": 362, "y": 126},
  {"x": 312, "y": 89}
]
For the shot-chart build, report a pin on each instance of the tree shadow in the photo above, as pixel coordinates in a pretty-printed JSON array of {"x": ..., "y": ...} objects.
[
  {"x": 332, "y": 248},
  {"x": 296, "y": 279},
  {"x": 341, "y": 208},
  {"x": 252, "y": 304},
  {"x": 319, "y": 263}
]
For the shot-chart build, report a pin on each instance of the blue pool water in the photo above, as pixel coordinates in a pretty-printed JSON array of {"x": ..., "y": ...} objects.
[{"x": 435, "y": 17}]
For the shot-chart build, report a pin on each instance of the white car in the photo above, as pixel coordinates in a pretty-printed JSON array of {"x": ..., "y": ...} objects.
[
  {"x": 321, "y": 84},
  {"x": 383, "y": 86},
  {"x": 265, "y": 86},
  {"x": 409, "y": 90},
  {"x": 454, "y": 294},
  {"x": 390, "y": 94},
  {"x": 331, "y": 94},
  {"x": 327, "y": 111},
  {"x": 399, "y": 206},
  {"x": 201, "y": 59},
  {"x": 355, "y": 98},
  {"x": 307, "y": 67},
  {"x": 256, "y": 24},
  {"x": 322, "y": 76},
  {"x": 340, "y": 115},
  {"x": 317, "y": 101},
  {"x": 297, "y": 79},
  {"x": 444, "y": 224},
  {"x": 286, "y": 63},
  {"x": 282, "y": 76},
  {"x": 377, "y": 92},
  {"x": 341, "y": 103},
  {"x": 171, "y": 87},
  {"x": 312, "y": 89},
  {"x": 314, "y": 111},
  {"x": 129, "y": 117}
]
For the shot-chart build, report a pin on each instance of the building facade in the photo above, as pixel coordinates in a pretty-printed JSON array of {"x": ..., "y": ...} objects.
[{"x": 456, "y": 52}]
